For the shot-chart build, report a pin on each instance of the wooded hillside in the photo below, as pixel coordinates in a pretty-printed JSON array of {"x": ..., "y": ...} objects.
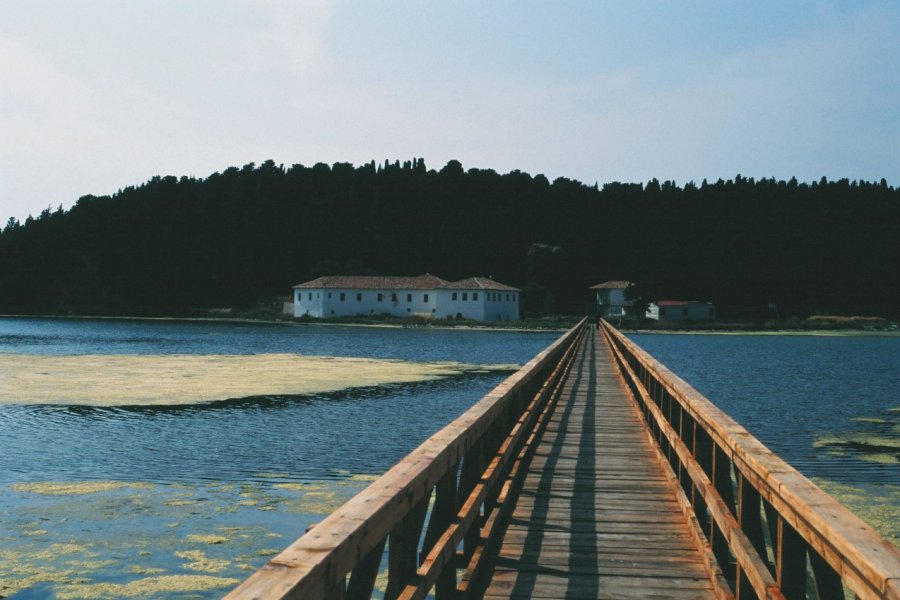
[{"x": 171, "y": 245}]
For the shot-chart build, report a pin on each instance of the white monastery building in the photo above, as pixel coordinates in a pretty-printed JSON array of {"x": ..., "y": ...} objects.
[
  {"x": 611, "y": 300},
  {"x": 476, "y": 298}
]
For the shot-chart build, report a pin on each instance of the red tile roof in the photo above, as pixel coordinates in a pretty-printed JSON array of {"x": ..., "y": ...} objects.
[
  {"x": 375, "y": 282},
  {"x": 421, "y": 282},
  {"x": 480, "y": 283},
  {"x": 611, "y": 285}
]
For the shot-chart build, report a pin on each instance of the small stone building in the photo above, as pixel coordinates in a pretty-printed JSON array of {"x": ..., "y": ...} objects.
[{"x": 610, "y": 297}]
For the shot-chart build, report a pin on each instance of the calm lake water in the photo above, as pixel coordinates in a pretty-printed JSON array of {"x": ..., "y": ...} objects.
[
  {"x": 829, "y": 405},
  {"x": 361, "y": 430},
  {"x": 183, "y": 501}
]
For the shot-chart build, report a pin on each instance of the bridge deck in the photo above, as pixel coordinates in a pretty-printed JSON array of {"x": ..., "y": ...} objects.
[{"x": 596, "y": 517}]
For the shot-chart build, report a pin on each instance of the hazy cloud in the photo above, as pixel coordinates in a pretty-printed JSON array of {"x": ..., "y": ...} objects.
[{"x": 195, "y": 88}]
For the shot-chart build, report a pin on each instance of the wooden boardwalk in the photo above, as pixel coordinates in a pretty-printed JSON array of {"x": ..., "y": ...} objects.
[
  {"x": 559, "y": 483},
  {"x": 596, "y": 516}
]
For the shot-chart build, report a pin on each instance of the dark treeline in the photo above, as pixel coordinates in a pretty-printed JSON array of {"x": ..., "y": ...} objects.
[{"x": 172, "y": 245}]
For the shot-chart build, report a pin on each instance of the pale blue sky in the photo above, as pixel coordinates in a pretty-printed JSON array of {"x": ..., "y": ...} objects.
[{"x": 97, "y": 95}]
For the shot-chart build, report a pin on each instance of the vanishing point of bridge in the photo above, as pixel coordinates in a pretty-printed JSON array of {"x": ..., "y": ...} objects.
[{"x": 593, "y": 472}]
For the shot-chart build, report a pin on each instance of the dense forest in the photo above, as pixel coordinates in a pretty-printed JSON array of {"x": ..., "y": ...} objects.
[{"x": 174, "y": 245}]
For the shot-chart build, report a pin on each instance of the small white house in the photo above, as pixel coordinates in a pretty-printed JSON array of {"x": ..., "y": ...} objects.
[
  {"x": 477, "y": 298},
  {"x": 611, "y": 300},
  {"x": 681, "y": 310}
]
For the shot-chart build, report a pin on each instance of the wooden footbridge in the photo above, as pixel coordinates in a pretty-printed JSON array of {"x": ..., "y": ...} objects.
[{"x": 593, "y": 472}]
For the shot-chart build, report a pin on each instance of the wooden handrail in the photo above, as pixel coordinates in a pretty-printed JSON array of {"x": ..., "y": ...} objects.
[
  {"x": 770, "y": 529},
  {"x": 459, "y": 481}
]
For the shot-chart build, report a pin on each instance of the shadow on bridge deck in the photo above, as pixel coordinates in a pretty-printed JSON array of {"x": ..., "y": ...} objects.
[{"x": 596, "y": 516}]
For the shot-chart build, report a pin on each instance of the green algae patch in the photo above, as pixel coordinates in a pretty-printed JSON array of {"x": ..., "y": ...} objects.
[
  {"x": 58, "y": 488},
  {"x": 147, "y": 587},
  {"x": 875, "y": 440},
  {"x": 876, "y": 504},
  {"x": 314, "y": 499},
  {"x": 142, "y": 570},
  {"x": 381, "y": 581},
  {"x": 864, "y": 446},
  {"x": 126, "y": 380},
  {"x": 861, "y": 441},
  {"x": 24, "y": 568},
  {"x": 880, "y": 458},
  {"x": 97, "y": 542},
  {"x": 272, "y": 475},
  {"x": 207, "y": 539},
  {"x": 199, "y": 561}
]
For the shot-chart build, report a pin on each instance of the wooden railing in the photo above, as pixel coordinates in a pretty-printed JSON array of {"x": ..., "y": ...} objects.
[
  {"x": 767, "y": 531},
  {"x": 437, "y": 511}
]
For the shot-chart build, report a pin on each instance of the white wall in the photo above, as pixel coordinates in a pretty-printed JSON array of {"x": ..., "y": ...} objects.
[
  {"x": 479, "y": 305},
  {"x": 501, "y": 306},
  {"x": 308, "y": 302},
  {"x": 452, "y": 304},
  {"x": 611, "y": 302},
  {"x": 365, "y": 302}
]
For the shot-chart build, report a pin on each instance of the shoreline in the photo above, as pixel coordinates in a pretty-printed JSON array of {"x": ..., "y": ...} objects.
[
  {"x": 291, "y": 322},
  {"x": 527, "y": 326},
  {"x": 765, "y": 332}
]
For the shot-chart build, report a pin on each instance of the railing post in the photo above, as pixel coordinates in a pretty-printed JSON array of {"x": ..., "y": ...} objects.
[
  {"x": 731, "y": 479},
  {"x": 362, "y": 578},
  {"x": 474, "y": 464},
  {"x": 403, "y": 549},
  {"x": 791, "y": 562},
  {"x": 442, "y": 514},
  {"x": 828, "y": 581},
  {"x": 750, "y": 518}
]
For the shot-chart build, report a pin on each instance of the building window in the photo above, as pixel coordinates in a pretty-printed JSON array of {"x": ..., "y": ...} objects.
[
  {"x": 474, "y": 295},
  {"x": 684, "y": 311},
  {"x": 358, "y": 296},
  {"x": 329, "y": 294},
  {"x": 424, "y": 297},
  {"x": 393, "y": 296},
  {"x": 453, "y": 296},
  {"x": 380, "y": 297},
  {"x": 409, "y": 297},
  {"x": 310, "y": 296},
  {"x": 465, "y": 295},
  {"x": 507, "y": 297},
  {"x": 342, "y": 296}
]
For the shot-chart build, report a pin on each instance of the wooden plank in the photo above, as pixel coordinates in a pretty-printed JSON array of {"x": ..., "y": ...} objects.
[
  {"x": 320, "y": 560},
  {"x": 596, "y": 517},
  {"x": 868, "y": 563}
]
